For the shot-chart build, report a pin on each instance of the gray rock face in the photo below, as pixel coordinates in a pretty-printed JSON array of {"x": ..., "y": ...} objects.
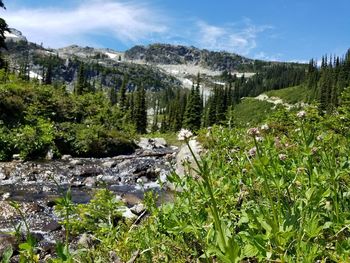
[
  {"x": 152, "y": 143},
  {"x": 176, "y": 54}
]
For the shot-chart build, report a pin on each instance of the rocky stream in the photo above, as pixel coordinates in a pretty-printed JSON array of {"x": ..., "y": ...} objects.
[{"x": 35, "y": 185}]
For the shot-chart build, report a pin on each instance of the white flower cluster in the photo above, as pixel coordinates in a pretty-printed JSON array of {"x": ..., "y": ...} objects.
[
  {"x": 265, "y": 127},
  {"x": 253, "y": 132},
  {"x": 301, "y": 114},
  {"x": 184, "y": 134}
]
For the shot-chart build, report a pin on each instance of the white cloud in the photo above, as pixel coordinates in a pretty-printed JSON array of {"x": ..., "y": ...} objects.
[
  {"x": 241, "y": 40},
  {"x": 126, "y": 21},
  {"x": 263, "y": 56},
  {"x": 131, "y": 23}
]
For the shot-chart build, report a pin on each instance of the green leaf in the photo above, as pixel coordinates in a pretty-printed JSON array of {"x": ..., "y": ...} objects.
[
  {"x": 6, "y": 256},
  {"x": 250, "y": 251}
]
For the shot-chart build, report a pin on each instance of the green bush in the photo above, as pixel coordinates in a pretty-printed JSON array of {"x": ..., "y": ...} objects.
[
  {"x": 36, "y": 118},
  {"x": 35, "y": 141}
]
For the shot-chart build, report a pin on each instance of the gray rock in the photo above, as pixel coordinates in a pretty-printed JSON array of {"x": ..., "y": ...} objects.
[
  {"x": 90, "y": 182},
  {"x": 49, "y": 155},
  {"x": 52, "y": 226},
  {"x": 145, "y": 143},
  {"x": 66, "y": 157},
  {"x": 3, "y": 176},
  {"x": 109, "y": 164},
  {"x": 159, "y": 143},
  {"x": 109, "y": 179},
  {"x": 138, "y": 209},
  {"x": 76, "y": 162},
  {"x": 16, "y": 157},
  {"x": 126, "y": 213}
]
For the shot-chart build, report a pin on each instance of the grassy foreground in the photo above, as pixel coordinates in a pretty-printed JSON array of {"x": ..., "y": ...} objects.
[{"x": 275, "y": 193}]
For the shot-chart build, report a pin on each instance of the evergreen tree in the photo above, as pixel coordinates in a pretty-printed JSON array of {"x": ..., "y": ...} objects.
[
  {"x": 80, "y": 86},
  {"x": 194, "y": 108},
  {"x": 48, "y": 74},
  {"x": 113, "y": 95},
  {"x": 3, "y": 28},
  {"x": 122, "y": 93},
  {"x": 140, "y": 115}
]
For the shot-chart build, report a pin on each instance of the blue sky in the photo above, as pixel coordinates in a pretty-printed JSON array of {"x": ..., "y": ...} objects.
[{"x": 285, "y": 30}]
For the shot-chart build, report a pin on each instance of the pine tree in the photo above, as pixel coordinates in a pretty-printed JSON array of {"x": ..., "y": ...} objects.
[
  {"x": 48, "y": 74},
  {"x": 194, "y": 108},
  {"x": 113, "y": 95},
  {"x": 3, "y": 28},
  {"x": 122, "y": 93},
  {"x": 80, "y": 86},
  {"x": 140, "y": 115}
]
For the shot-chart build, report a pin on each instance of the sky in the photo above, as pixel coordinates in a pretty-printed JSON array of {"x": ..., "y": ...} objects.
[{"x": 281, "y": 30}]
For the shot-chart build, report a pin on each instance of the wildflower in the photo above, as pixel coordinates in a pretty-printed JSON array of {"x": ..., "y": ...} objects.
[
  {"x": 265, "y": 127},
  {"x": 184, "y": 135},
  {"x": 301, "y": 114},
  {"x": 300, "y": 170},
  {"x": 314, "y": 150},
  {"x": 253, "y": 132},
  {"x": 252, "y": 152},
  {"x": 282, "y": 157},
  {"x": 328, "y": 205},
  {"x": 297, "y": 183},
  {"x": 319, "y": 138},
  {"x": 259, "y": 139}
]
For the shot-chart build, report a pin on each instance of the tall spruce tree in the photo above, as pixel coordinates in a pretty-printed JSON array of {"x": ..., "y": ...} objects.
[
  {"x": 48, "y": 74},
  {"x": 140, "y": 114},
  {"x": 122, "y": 93},
  {"x": 194, "y": 108},
  {"x": 3, "y": 29},
  {"x": 80, "y": 85},
  {"x": 113, "y": 95}
]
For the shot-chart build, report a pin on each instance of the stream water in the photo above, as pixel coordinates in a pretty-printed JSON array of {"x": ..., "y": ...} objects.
[{"x": 36, "y": 185}]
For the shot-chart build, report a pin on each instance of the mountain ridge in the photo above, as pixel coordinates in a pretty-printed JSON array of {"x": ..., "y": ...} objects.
[{"x": 161, "y": 65}]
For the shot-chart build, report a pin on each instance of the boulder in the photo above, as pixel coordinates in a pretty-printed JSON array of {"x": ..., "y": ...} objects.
[
  {"x": 76, "y": 162},
  {"x": 109, "y": 164},
  {"x": 66, "y": 157},
  {"x": 138, "y": 209},
  {"x": 52, "y": 226},
  {"x": 3, "y": 175},
  {"x": 49, "y": 155},
  {"x": 16, "y": 157},
  {"x": 159, "y": 143},
  {"x": 145, "y": 144},
  {"x": 126, "y": 213},
  {"x": 90, "y": 182}
]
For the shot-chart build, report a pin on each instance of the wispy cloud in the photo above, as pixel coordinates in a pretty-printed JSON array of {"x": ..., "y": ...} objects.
[
  {"x": 263, "y": 56},
  {"x": 125, "y": 21},
  {"x": 239, "y": 39},
  {"x": 129, "y": 22}
]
